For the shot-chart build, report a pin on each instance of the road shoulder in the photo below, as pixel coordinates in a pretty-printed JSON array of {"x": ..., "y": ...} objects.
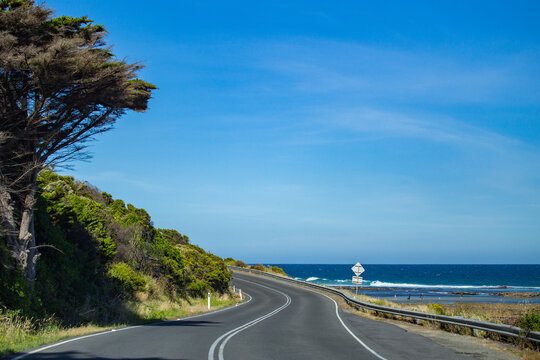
[{"x": 476, "y": 348}]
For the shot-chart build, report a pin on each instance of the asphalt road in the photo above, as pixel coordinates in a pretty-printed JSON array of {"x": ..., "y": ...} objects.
[{"x": 277, "y": 321}]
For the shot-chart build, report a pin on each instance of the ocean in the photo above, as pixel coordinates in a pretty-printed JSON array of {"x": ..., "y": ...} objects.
[{"x": 426, "y": 282}]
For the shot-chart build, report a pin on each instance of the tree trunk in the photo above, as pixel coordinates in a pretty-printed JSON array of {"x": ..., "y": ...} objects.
[
  {"x": 24, "y": 250},
  {"x": 6, "y": 214}
]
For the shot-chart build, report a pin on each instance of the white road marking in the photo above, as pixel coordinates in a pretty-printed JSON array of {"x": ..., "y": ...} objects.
[
  {"x": 228, "y": 335},
  {"x": 349, "y": 330},
  {"x": 22, "y": 356}
]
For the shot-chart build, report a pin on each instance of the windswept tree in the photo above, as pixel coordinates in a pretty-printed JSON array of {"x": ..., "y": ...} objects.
[{"x": 59, "y": 86}]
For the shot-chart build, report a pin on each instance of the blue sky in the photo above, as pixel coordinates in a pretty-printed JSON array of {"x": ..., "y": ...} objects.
[{"x": 331, "y": 132}]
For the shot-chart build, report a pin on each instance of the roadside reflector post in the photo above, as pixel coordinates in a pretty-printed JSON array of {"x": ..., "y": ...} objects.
[
  {"x": 233, "y": 288},
  {"x": 240, "y": 292},
  {"x": 208, "y": 301}
]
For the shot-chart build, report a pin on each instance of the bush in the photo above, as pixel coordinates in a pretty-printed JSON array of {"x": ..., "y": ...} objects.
[
  {"x": 259, "y": 267},
  {"x": 126, "y": 277},
  {"x": 83, "y": 273},
  {"x": 530, "y": 321},
  {"x": 278, "y": 270},
  {"x": 438, "y": 309},
  {"x": 197, "y": 288},
  {"x": 240, "y": 263}
]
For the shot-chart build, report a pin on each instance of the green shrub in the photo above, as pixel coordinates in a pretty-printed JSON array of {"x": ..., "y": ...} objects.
[
  {"x": 530, "y": 321},
  {"x": 108, "y": 247},
  {"x": 437, "y": 309},
  {"x": 205, "y": 267},
  {"x": 126, "y": 277},
  {"x": 197, "y": 288},
  {"x": 259, "y": 267},
  {"x": 278, "y": 270},
  {"x": 240, "y": 263}
]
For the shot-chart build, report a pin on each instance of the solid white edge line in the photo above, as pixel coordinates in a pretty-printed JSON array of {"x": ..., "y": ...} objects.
[
  {"x": 22, "y": 356},
  {"x": 341, "y": 321},
  {"x": 222, "y": 346},
  {"x": 240, "y": 328},
  {"x": 349, "y": 330}
]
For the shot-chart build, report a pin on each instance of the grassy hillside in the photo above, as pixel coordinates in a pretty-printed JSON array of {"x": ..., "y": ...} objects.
[{"x": 104, "y": 262}]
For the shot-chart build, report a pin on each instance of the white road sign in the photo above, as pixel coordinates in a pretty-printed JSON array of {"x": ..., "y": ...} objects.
[
  {"x": 358, "y": 269},
  {"x": 357, "y": 279}
]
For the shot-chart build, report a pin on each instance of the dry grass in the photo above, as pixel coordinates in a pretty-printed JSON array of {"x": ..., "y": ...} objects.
[
  {"x": 498, "y": 313},
  {"x": 18, "y": 333},
  {"x": 152, "y": 309},
  {"x": 527, "y": 354},
  {"x": 493, "y": 312}
]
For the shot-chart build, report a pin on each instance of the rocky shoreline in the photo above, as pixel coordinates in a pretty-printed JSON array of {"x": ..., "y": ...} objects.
[{"x": 513, "y": 294}]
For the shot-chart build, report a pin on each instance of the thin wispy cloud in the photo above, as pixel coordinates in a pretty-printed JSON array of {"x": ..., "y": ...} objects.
[
  {"x": 432, "y": 127},
  {"x": 323, "y": 66}
]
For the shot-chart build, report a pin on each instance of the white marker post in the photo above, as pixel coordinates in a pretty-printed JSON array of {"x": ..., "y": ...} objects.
[
  {"x": 208, "y": 301},
  {"x": 357, "y": 269},
  {"x": 240, "y": 292}
]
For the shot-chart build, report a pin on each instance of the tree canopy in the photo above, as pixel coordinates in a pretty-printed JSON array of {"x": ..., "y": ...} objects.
[{"x": 60, "y": 85}]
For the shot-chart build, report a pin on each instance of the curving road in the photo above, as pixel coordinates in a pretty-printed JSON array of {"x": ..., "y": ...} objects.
[{"x": 277, "y": 321}]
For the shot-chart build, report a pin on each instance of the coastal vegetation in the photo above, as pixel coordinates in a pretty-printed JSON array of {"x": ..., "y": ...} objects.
[
  {"x": 266, "y": 268},
  {"x": 60, "y": 85},
  {"x": 103, "y": 264}
]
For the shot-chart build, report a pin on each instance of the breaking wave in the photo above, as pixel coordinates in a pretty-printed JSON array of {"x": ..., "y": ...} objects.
[{"x": 378, "y": 283}]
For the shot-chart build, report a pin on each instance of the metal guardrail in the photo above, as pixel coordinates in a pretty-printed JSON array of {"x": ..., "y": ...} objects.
[{"x": 501, "y": 329}]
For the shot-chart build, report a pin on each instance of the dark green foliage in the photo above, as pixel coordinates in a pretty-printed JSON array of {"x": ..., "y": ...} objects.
[
  {"x": 13, "y": 4},
  {"x": 14, "y": 290},
  {"x": 126, "y": 277},
  {"x": 173, "y": 236},
  {"x": 96, "y": 252},
  {"x": 530, "y": 321},
  {"x": 171, "y": 265},
  {"x": 205, "y": 267}
]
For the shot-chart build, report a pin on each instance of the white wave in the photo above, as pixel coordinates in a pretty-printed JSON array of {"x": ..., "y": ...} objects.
[
  {"x": 342, "y": 281},
  {"x": 313, "y": 278},
  {"x": 378, "y": 283},
  {"x": 297, "y": 278}
]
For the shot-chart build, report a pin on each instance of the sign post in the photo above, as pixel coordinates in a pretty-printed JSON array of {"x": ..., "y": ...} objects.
[{"x": 358, "y": 269}]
